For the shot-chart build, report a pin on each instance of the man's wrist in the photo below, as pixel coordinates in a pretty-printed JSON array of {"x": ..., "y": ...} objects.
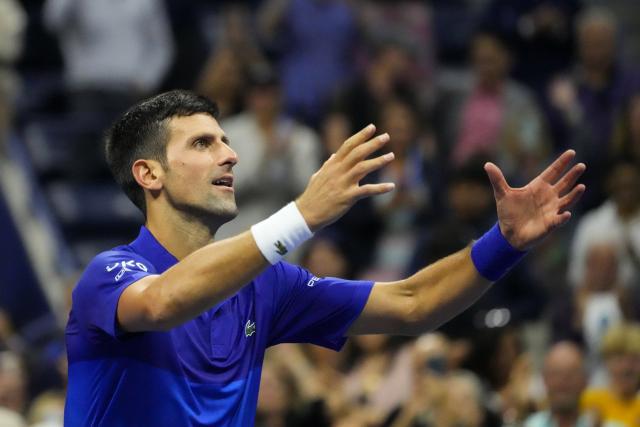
[
  {"x": 281, "y": 233},
  {"x": 493, "y": 255}
]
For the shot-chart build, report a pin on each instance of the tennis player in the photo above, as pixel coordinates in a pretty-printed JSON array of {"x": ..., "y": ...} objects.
[{"x": 171, "y": 329}]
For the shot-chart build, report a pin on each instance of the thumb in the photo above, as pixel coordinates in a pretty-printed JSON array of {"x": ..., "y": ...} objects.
[{"x": 498, "y": 182}]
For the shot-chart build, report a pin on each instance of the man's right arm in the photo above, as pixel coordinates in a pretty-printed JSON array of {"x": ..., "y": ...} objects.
[{"x": 220, "y": 269}]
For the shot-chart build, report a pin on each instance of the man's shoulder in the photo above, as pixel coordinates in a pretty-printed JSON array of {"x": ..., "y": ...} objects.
[{"x": 115, "y": 262}]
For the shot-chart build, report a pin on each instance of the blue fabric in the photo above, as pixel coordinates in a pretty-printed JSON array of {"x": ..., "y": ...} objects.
[
  {"x": 493, "y": 256},
  {"x": 205, "y": 372}
]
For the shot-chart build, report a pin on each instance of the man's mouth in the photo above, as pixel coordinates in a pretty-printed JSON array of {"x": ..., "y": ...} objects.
[{"x": 225, "y": 181}]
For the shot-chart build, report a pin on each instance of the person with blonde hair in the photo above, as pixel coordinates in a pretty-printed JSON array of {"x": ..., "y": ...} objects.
[{"x": 618, "y": 404}]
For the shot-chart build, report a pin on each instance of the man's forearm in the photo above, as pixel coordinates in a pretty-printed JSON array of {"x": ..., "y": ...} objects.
[{"x": 443, "y": 290}]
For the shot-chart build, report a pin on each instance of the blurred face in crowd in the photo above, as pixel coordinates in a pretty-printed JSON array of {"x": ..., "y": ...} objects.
[
  {"x": 431, "y": 354},
  {"x": 274, "y": 395},
  {"x": 469, "y": 199},
  {"x": 198, "y": 178},
  {"x": 597, "y": 44},
  {"x": 602, "y": 267},
  {"x": 336, "y": 128},
  {"x": 634, "y": 121},
  {"x": 398, "y": 119},
  {"x": 564, "y": 377},
  {"x": 490, "y": 61},
  {"x": 623, "y": 183},
  {"x": 371, "y": 343},
  {"x": 624, "y": 373},
  {"x": 264, "y": 101},
  {"x": 13, "y": 385},
  {"x": 463, "y": 402},
  {"x": 325, "y": 259}
]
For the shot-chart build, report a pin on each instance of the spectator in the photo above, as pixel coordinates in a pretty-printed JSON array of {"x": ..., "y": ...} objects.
[
  {"x": 616, "y": 221},
  {"x": 564, "y": 375},
  {"x": 487, "y": 114},
  {"x": 13, "y": 383},
  {"x": 618, "y": 403},
  {"x": 386, "y": 77},
  {"x": 380, "y": 378},
  {"x": 542, "y": 35},
  {"x": 588, "y": 101},
  {"x": 626, "y": 141},
  {"x": 11, "y": 419},
  {"x": 359, "y": 229},
  {"x": 629, "y": 23},
  {"x": 236, "y": 51},
  {"x": 407, "y": 23},
  {"x": 278, "y": 153},
  {"x": 282, "y": 404},
  {"x": 414, "y": 171},
  {"x": 114, "y": 52},
  {"x": 515, "y": 299},
  {"x": 325, "y": 256},
  {"x": 314, "y": 41},
  {"x": 12, "y": 26}
]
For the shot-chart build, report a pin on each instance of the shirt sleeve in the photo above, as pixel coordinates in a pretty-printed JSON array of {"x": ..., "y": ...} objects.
[
  {"x": 95, "y": 298},
  {"x": 309, "y": 309}
]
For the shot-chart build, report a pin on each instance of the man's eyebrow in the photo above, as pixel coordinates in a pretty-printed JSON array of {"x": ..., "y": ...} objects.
[{"x": 226, "y": 140}]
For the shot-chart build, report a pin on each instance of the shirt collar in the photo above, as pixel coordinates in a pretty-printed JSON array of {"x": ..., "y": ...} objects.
[{"x": 147, "y": 246}]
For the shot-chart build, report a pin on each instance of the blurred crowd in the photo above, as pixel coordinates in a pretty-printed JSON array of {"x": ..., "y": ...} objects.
[{"x": 455, "y": 83}]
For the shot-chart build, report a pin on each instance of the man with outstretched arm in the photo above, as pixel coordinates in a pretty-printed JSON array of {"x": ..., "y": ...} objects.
[{"x": 171, "y": 329}]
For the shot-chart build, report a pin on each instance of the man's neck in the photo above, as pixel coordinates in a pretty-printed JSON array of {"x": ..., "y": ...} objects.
[{"x": 180, "y": 235}]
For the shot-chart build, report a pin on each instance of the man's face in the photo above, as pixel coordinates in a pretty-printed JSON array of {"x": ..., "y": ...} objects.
[
  {"x": 198, "y": 179},
  {"x": 490, "y": 61},
  {"x": 564, "y": 379},
  {"x": 597, "y": 45}
]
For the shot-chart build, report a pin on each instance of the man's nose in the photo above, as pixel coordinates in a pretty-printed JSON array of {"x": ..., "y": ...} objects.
[{"x": 230, "y": 157}]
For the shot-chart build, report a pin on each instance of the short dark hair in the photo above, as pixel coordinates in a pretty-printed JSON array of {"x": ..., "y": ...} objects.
[{"x": 142, "y": 133}]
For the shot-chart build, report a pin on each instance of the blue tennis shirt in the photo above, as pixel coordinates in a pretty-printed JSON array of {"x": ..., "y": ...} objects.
[{"x": 205, "y": 372}]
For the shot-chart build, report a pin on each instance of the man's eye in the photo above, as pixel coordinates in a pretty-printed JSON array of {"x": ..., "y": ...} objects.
[{"x": 200, "y": 143}]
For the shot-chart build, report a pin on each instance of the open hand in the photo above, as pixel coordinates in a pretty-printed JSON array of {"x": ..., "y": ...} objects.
[
  {"x": 528, "y": 214},
  {"x": 336, "y": 186}
]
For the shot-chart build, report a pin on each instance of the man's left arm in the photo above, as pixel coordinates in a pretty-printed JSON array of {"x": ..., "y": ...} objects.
[{"x": 440, "y": 291}]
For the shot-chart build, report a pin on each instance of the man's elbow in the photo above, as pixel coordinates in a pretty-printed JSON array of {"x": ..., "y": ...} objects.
[{"x": 160, "y": 314}]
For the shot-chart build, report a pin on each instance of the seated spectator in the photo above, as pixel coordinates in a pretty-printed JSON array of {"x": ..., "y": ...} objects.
[
  {"x": 278, "y": 154},
  {"x": 542, "y": 37},
  {"x": 489, "y": 115},
  {"x": 565, "y": 378},
  {"x": 616, "y": 221},
  {"x": 404, "y": 209},
  {"x": 441, "y": 396},
  {"x": 380, "y": 378},
  {"x": 13, "y": 382},
  {"x": 314, "y": 43},
  {"x": 235, "y": 53},
  {"x": 518, "y": 296},
  {"x": 47, "y": 410},
  {"x": 359, "y": 229},
  {"x": 618, "y": 403},
  {"x": 406, "y": 22},
  {"x": 11, "y": 418},
  {"x": 281, "y": 403},
  {"x": 386, "y": 77},
  {"x": 588, "y": 101},
  {"x": 626, "y": 141},
  {"x": 325, "y": 256}
]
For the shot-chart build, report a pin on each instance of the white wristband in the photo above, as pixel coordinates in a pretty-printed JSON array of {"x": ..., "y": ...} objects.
[{"x": 281, "y": 233}]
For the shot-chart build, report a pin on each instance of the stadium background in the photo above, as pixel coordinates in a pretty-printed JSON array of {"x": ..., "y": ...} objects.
[{"x": 455, "y": 83}]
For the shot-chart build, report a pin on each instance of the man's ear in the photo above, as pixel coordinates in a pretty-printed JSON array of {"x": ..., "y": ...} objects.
[{"x": 148, "y": 174}]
